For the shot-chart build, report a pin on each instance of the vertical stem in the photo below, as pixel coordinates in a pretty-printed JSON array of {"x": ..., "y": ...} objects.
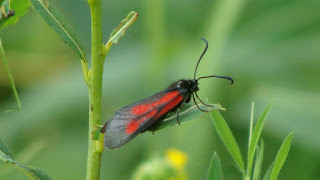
[
  {"x": 95, "y": 91},
  {"x": 13, "y": 85}
]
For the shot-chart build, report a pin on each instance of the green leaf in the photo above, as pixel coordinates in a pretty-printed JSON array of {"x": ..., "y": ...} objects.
[
  {"x": 13, "y": 85},
  {"x": 227, "y": 138},
  {"x": 267, "y": 175},
  {"x": 53, "y": 19},
  {"x": 258, "y": 162},
  {"x": 1, "y": 1},
  {"x": 5, "y": 149},
  {"x": 251, "y": 123},
  {"x": 215, "y": 170},
  {"x": 6, "y": 6},
  {"x": 189, "y": 114},
  {"x": 255, "y": 138},
  {"x": 4, "y": 9},
  {"x": 120, "y": 30},
  {"x": 20, "y": 8},
  {"x": 281, "y": 157},
  {"x": 34, "y": 173}
]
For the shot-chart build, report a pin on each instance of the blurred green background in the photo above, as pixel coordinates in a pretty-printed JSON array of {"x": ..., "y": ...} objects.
[{"x": 270, "y": 48}]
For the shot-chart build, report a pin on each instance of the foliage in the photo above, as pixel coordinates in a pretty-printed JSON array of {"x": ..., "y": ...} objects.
[
  {"x": 12, "y": 10},
  {"x": 268, "y": 47},
  {"x": 230, "y": 143},
  {"x": 7, "y": 156}
]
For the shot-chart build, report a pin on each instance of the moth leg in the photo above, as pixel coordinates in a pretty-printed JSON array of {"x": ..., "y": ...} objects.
[
  {"x": 178, "y": 115},
  {"x": 186, "y": 100},
  {"x": 194, "y": 100},
  {"x": 202, "y": 101}
]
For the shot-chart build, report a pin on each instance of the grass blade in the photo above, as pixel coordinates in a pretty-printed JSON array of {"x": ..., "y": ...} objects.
[
  {"x": 255, "y": 138},
  {"x": 50, "y": 15},
  {"x": 281, "y": 157},
  {"x": 5, "y": 149},
  {"x": 34, "y": 173},
  {"x": 227, "y": 138},
  {"x": 13, "y": 85},
  {"x": 258, "y": 162},
  {"x": 251, "y": 123},
  {"x": 267, "y": 175},
  {"x": 1, "y": 2},
  {"x": 187, "y": 115},
  {"x": 120, "y": 30},
  {"x": 215, "y": 171}
]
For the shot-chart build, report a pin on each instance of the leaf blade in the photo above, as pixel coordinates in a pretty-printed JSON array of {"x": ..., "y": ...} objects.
[
  {"x": 120, "y": 30},
  {"x": 13, "y": 85},
  {"x": 215, "y": 170},
  {"x": 255, "y": 138},
  {"x": 5, "y": 149},
  {"x": 281, "y": 156},
  {"x": 227, "y": 138},
  {"x": 251, "y": 122},
  {"x": 18, "y": 9},
  {"x": 189, "y": 114},
  {"x": 32, "y": 172},
  {"x": 53, "y": 19},
  {"x": 258, "y": 162},
  {"x": 267, "y": 175},
  {"x": 1, "y": 2}
]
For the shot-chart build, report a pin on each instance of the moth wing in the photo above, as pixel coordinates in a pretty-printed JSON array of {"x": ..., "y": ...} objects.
[{"x": 131, "y": 120}]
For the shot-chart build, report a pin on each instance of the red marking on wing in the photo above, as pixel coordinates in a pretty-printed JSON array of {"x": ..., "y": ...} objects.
[
  {"x": 171, "y": 105},
  {"x": 143, "y": 108},
  {"x": 134, "y": 125}
]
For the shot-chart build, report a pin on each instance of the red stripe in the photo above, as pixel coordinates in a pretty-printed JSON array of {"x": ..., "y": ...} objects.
[
  {"x": 134, "y": 125},
  {"x": 143, "y": 108},
  {"x": 170, "y": 106}
]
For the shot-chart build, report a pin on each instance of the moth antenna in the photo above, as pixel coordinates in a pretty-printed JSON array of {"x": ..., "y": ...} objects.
[
  {"x": 222, "y": 77},
  {"x": 204, "y": 51}
]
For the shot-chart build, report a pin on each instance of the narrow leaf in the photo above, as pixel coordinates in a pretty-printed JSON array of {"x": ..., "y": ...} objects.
[
  {"x": 281, "y": 157},
  {"x": 5, "y": 149},
  {"x": 251, "y": 123},
  {"x": 18, "y": 8},
  {"x": 227, "y": 138},
  {"x": 5, "y": 7},
  {"x": 255, "y": 137},
  {"x": 215, "y": 170},
  {"x": 53, "y": 19},
  {"x": 1, "y": 2},
  {"x": 13, "y": 85},
  {"x": 187, "y": 115},
  {"x": 258, "y": 162},
  {"x": 120, "y": 30},
  {"x": 36, "y": 173},
  {"x": 30, "y": 171},
  {"x": 267, "y": 175}
]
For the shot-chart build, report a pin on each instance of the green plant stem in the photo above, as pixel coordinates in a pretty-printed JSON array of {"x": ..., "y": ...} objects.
[
  {"x": 84, "y": 65},
  {"x": 95, "y": 89},
  {"x": 13, "y": 85}
]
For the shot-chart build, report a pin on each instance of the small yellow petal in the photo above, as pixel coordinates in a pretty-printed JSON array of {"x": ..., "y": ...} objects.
[{"x": 177, "y": 158}]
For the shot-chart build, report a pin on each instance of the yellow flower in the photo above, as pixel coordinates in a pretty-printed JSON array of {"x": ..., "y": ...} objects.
[
  {"x": 169, "y": 167},
  {"x": 177, "y": 158}
]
